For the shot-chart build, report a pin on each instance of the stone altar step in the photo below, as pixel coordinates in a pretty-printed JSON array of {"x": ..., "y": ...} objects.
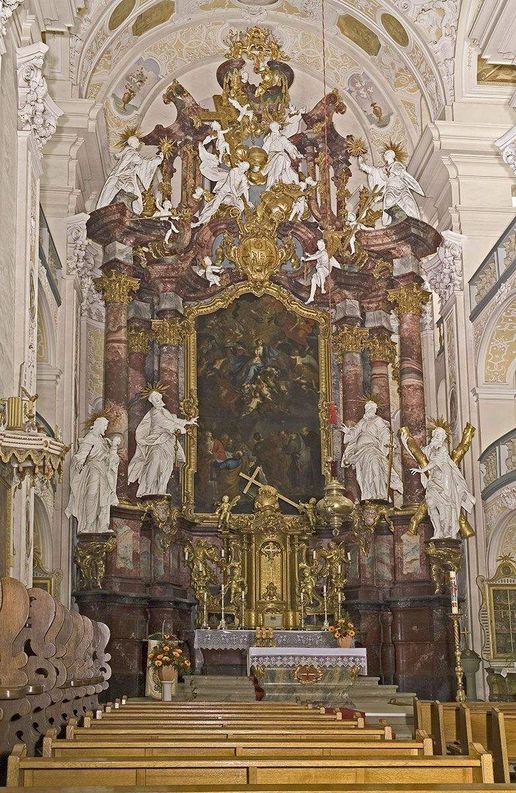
[
  {"x": 384, "y": 703},
  {"x": 219, "y": 688}
]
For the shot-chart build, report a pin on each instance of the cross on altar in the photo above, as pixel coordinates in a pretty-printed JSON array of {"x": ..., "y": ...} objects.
[{"x": 252, "y": 480}]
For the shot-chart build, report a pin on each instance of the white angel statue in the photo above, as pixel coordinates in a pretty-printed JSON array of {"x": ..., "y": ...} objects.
[
  {"x": 157, "y": 448},
  {"x": 164, "y": 211},
  {"x": 293, "y": 122},
  {"x": 209, "y": 271},
  {"x": 299, "y": 205},
  {"x": 221, "y": 143},
  {"x": 231, "y": 188},
  {"x": 244, "y": 111},
  {"x": 324, "y": 264},
  {"x": 281, "y": 153},
  {"x": 397, "y": 185},
  {"x": 130, "y": 174}
]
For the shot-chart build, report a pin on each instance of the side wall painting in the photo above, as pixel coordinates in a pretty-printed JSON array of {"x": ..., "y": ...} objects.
[{"x": 259, "y": 391}]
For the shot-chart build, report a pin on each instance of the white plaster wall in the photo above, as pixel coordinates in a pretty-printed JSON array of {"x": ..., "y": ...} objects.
[{"x": 8, "y": 167}]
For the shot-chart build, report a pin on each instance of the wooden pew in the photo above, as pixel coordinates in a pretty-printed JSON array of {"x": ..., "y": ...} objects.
[
  {"x": 299, "y": 788},
  {"x": 213, "y": 747},
  {"x": 132, "y": 733},
  {"x": 26, "y": 771}
]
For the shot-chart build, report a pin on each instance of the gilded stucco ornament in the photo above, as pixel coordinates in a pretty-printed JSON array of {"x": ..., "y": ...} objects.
[
  {"x": 117, "y": 287},
  {"x": 90, "y": 558}
]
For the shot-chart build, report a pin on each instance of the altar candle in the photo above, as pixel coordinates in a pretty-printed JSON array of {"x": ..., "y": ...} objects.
[
  {"x": 222, "y": 554},
  {"x": 324, "y": 590},
  {"x": 186, "y": 554},
  {"x": 454, "y": 592},
  {"x": 314, "y": 555},
  {"x": 349, "y": 557}
]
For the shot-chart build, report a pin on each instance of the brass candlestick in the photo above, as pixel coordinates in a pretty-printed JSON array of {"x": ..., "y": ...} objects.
[{"x": 459, "y": 671}]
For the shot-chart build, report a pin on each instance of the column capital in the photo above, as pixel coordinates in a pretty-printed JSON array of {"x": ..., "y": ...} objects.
[
  {"x": 408, "y": 299},
  {"x": 116, "y": 287},
  {"x": 170, "y": 332},
  {"x": 381, "y": 348},
  {"x": 349, "y": 338},
  {"x": 444, "y": 270},
  {"x": 138, "y": 339}
]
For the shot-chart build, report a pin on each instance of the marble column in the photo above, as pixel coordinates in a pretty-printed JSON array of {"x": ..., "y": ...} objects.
[
  {"x": 348, "y": 343},
  {"x": 117, "y": 288},
  {"x": 409, "y": 300},
  {"x": 138, "y": 340},
  {"x": 382, "y": 352}
]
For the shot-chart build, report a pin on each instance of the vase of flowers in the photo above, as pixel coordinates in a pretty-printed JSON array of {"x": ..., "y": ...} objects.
[
  {"x": 168, "y": 660},
  {"x": 344, "y": 631}
]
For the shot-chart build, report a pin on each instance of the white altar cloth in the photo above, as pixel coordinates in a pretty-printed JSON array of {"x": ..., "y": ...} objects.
[{"x": 270, "y": 657}]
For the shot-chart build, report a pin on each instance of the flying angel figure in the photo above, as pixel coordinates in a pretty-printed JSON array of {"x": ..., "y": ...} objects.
[
  {"x": 324, "y": 264},
  {"x": 244, "y": 111},
  {"x": 221, "y": 143},
  {"x": 164, "y": 211},
  {"x": 210, "y": 271}
]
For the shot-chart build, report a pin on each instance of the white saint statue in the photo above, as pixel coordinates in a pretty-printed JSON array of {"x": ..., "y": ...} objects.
[
  {"x": 446, "y": 490},
  {"x": 231, "y": 189},
  {"x": 324, "y": 264},
  {"x": 368, "y": 450},
  {"x": 397, "y": 185},
  {"x": 157, "y": 448},
  {"x": 281, "y": 153},
  {"x": 93, "y": 476},
  {"x": 130, "y": 174}
]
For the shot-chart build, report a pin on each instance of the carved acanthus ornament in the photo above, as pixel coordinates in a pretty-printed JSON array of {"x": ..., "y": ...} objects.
[
  {"x": 408, "y": 299},
  {"x": 7, "y": 9},
  {"x": 382, "y": 348},
  {"x": 81, "y": 262},
  {"x": 349, "y": 338},
  {"x": 37, "y": 111},
  {"x": 170, "y": 332},
  {"x": 116, "y": 287},
  {"x": 444, "y": 270},
  {"x": 138, "y": 340},
  {"x": 507, "y": 146}
]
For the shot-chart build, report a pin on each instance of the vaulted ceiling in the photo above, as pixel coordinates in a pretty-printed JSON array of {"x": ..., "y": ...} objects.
[{"x": 391, "y": 61}]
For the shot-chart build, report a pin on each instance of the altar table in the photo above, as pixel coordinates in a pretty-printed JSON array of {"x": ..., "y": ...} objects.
[
  {"x": 244, "y": 639},
  {"x": 327, "y": 657}
]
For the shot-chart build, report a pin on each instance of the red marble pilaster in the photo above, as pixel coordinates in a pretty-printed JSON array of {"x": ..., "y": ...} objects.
[
  {"x": 139, "y": 338},
  {"x": 167, "y": 331},
  {"x": 117, "y": 288},
  {"x": 408, "y": 300},
  {"x": 381, "y": 353}
]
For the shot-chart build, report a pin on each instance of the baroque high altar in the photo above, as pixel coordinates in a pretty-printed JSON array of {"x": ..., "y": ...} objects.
[{"x": 261, "y": 288}]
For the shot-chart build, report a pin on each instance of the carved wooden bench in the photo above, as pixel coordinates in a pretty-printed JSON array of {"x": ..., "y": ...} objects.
[{"x": 43, "y": 771}]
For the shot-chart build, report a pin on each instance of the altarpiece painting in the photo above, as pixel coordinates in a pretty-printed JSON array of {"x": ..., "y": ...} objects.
[{"x": 260, "y": 375}]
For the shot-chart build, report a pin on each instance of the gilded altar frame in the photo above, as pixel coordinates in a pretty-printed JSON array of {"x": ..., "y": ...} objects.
[
  {"x": 190, "y": 401},
  {"x": 503, "y": 581}
]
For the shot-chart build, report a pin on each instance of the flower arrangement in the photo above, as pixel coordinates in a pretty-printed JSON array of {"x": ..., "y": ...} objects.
[
  {"x": 342, "y": 628},
  {"x": 166, "y": 654}
]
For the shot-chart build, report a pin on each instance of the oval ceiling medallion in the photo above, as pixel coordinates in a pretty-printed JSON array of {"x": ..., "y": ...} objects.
[
  {"x": 153, "y": 17},
  {"x": 359, "y": 34},
  {"x": 395, "y": 29},
  {"x": 121, "y": 13}
]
